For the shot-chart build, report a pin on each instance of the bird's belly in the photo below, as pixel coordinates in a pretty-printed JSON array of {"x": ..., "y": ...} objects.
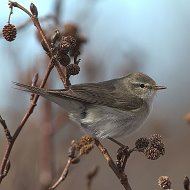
[{"x": 103, "y": 121}]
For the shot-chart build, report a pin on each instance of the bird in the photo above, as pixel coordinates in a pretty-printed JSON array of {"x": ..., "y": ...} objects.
[{"x": 110, "y": 109}]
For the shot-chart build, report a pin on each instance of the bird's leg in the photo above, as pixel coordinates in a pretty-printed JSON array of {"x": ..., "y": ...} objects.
[{"x": 117, "y": 142}]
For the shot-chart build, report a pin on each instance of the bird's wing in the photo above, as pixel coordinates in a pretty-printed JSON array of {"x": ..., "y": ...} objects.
[
  {"x": 90, "y": 93},
  {"x": 101, "y": 94}
]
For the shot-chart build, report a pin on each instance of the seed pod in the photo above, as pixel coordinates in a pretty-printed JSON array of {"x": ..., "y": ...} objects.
[
  {"x": 142, "y": 143},
  {"x": 9, "y": 32},
  {"x": 72, "y": 69},
  {"x": 151, "y": 153},
  {"x": 164, "y": 182}
]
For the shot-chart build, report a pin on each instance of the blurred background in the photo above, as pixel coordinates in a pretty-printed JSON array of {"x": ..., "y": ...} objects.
[{"x": 122, "y": 36}]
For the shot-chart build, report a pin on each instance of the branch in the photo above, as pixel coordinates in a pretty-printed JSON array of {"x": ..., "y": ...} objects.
[
  {"x": 72, "y": 159},
  {"x": 90, "y": 176},
  {"x": 83, "y": 147},
  {"x": 6, "y": 130},
  {"x": 36, "y": 23},
  {"x": 120, "y": 174},
  {"x": 19, "y": 128}
]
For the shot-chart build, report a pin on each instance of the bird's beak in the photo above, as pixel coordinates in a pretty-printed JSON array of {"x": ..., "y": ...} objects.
[{"x": 157, "y": 87}]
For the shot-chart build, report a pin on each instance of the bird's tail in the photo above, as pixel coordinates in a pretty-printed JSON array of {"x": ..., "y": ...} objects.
[
  {"x": 33, "y": 89},
  {"x": 66, "y": 103}
]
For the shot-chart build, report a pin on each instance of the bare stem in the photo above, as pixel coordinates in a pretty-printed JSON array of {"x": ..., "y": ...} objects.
[
  {"x": 90, "y": 176},
  {"x": 72, "y": 159},
  {"x": 120, "y": 174},
  {"x": 63, "y": 175},
  {"x": 19, "y": 128},
  {"x": 44, "y": 39}
]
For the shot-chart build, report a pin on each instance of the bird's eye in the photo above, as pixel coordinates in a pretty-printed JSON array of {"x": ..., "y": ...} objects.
[{"x": 142, "y": 85}]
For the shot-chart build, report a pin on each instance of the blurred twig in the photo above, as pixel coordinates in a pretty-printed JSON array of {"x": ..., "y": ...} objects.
[
  {"x": 46, "y": 146},
  {"x": 186, "y": 183},
  {"x": 19, "y": 128},
  {"x": 90, "y": 176}
]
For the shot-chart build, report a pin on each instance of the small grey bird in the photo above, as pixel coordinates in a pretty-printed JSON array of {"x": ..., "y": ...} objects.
[{"x": 108, "y": 109}]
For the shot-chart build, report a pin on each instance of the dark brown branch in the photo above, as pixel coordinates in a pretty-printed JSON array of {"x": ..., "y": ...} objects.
[{"x": 120, "y": 174}]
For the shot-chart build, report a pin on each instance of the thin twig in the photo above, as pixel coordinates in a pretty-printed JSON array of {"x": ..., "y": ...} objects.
[
  {"x": 44, "y": 39},
  {"x": 11, "y": 139},
  {"x": 63, "y": 175},
  {"x": 72, "y": 159},
  {"x": 120, "y": 174},
  {"x": 19, "y": 128}
]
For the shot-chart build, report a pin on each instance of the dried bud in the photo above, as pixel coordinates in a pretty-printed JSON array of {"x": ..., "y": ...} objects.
[
  {"x": 71, "y": 151},
  {"x": 72, "y": 69},
  {"x": 55, "y": 36},
  {"x": 86, "y": 139},
  {"x": 63, "y": 59},
  {"x": 9, "y": 32},
  {"x": 86, "y": 149},
  {"x": 164, "y": 182},
  {"x": 151, "y": 153},
  {"x": 85, "y": 144},
  {"x": 34, "y": 10},
  {"x": 35, "y": 79},
  {"x": 142, "y": 143}
]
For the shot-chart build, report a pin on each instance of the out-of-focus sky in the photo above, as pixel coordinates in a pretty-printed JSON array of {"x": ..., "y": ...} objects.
[{"x": 154, "y": 33}]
